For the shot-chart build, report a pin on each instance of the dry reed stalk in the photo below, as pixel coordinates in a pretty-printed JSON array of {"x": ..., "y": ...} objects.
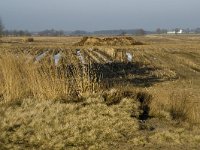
[
  {"x": 13, "y": 73},
  {"x": 43, "y": 80}
]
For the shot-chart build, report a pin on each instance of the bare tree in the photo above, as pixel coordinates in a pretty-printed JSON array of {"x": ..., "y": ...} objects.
[
  {"x": 1, "y": 28},
  {"x": 161, "y": 31},
  {"x": 123, "y": 33},
  {"x": 177, "y": 30},
  {"x": 140, "y": 32},
  {"x": 158, "y": 31}
]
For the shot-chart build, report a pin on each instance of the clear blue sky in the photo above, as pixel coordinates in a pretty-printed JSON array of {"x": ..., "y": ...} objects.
[{"x": 99, "y": 14}]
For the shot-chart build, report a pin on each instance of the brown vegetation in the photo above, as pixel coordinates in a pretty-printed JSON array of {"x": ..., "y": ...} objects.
[
  {"x": 29, "y": 39},
  {"x": 23, "y": 78},
  {"x": 110, "y": 41},
  {"x": 59, "y": 96}
]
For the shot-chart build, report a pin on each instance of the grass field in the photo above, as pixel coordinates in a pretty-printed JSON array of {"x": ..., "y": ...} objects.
[{"x": 55, "y": 94}]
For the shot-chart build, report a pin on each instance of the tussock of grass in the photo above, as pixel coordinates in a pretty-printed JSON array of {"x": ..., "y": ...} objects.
[
  {"x": 180, "y": 105},
  {"x": 113, "y": 96},
  {"x": 145, "y": 100},
  {"x": 29, "y": 39},
  {"x": 184, "y": 108}
]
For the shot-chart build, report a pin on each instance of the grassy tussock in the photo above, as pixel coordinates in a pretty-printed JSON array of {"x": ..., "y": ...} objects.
[
  {"x": 183, "y": 107},
  {"x": 180, "y": 105}
]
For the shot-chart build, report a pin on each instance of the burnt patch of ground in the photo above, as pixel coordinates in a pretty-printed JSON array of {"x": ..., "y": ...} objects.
[{"x": 128, "y": 73}]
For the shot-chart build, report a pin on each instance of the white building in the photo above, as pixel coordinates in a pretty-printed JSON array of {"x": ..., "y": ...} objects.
[
  {"x": 174, "y": 32},
  {"x": 180, "y": 31},
  {"x": 171, "y": 32}
]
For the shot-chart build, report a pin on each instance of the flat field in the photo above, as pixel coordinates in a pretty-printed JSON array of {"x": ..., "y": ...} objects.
[{"x": 100, "y": 93}]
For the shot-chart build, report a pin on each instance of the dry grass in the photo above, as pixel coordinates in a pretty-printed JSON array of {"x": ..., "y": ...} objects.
[
  {"x": 55, "y": 125},
  {"x": 179, "y": 104},
  {"x": 183, "y": 107},
  {"x": 23, "y": 78},
  {"x": 48, "y": 106},
  {"x": 90, "y": 124},
  {"x": 13, "y": 83},
  {"x": 30, "y": 39}
]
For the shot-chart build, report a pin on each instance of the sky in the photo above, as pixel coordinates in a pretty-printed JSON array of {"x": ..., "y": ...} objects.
[{"x": 90, "y": 15}]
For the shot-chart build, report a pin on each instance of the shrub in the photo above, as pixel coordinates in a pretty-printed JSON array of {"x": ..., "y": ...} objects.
[
  {"x": 145, "y": 100},
  {"x": 30, "y": 39}
]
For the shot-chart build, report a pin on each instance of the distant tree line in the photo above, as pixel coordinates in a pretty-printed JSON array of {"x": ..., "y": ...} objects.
[
  {"x": 51, "y": 32},
  {"x": 122, "y": 32},
  {"x": 27, "y": 33},
  {"x": 161, "y": 31},
  {"x": 16, "y": 33},
  {"x": 79, "y": 32},
  {"x": 197, "y": 30}
]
